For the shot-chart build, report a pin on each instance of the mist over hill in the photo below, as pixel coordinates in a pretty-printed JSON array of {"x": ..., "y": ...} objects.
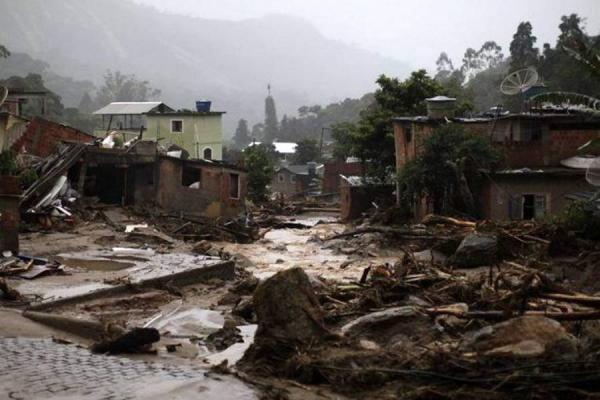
[{"x": 229, "y": 62}]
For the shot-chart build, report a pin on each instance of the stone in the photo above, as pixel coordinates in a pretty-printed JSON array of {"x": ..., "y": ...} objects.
[
  {"x": 202, "y": 247},
  {"x": 477, "y": 249},
  {"x": 288, "y": 309},
  {"x": 521, "y": 337},
  {"x": 289, "y": 318}
]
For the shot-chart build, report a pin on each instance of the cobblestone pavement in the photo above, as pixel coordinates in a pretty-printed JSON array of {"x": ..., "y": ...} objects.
[{"x": 42, "y": 369}]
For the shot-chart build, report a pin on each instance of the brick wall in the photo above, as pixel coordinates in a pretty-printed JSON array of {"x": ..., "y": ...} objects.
[
  {"x": 41, "y": 137},
  {"x": 212, "y": 199}
]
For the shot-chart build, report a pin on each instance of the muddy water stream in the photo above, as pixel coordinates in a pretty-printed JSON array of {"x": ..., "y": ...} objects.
[{"x": 286, "y": 248}]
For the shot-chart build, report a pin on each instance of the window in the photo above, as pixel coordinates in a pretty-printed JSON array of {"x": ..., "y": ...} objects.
[
  {"x": 191, "y": 177},
  {"x": 207, "y": 153},
  {"x": 234, "y": 186},
  {"x": 532, "y": 206},
  {"x": 293, "y": 178},
  {"x": 176, "y": 126},
  {"x": 280, "y": 178},
  {"x": 407, "y": 134}
]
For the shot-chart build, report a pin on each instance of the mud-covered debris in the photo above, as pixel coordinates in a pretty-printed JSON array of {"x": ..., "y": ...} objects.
[
  {"x": 522, "y": 337},
  {"x": 7, "y": 292},
  {"x": 137, "y": 340},
  {"x": 225, "y": 337},
  {"x": 202, "y": 247},
  {"x": 245, "y": 309}
]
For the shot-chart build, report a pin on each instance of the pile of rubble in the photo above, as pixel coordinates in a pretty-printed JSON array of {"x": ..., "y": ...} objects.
[{"x": 471, "y": 311}]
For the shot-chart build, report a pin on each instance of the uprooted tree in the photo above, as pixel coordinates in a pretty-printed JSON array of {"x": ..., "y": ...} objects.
[{"x": 445, "y": 171}]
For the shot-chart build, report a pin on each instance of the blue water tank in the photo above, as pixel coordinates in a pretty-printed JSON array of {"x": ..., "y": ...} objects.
[{"x": 203, "y": 106}]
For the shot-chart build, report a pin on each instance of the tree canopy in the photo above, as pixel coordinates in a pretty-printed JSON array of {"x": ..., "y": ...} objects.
[
  {"x": 258, "y": 161},
  {"x": 242, "y": 134},
  {"x": 271, "y": 127},
  {"x": 306, "y": 150},
  {"x": 445, "y": 170}
]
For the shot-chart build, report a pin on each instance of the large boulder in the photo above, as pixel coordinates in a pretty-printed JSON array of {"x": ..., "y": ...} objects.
[
  {"x": 476, "y": 249},
  {"x": 521, "y": 337},
  {"x": 288, "y": 314}
]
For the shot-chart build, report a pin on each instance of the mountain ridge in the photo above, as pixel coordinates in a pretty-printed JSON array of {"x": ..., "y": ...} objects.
[{"x": 230, "y": 62}]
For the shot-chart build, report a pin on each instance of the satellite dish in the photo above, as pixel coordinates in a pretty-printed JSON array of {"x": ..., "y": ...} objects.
[
  {"x": 3, "y": 94},
  {"x": 592, "y": 174},
  {"x": 519, "y": 81}
]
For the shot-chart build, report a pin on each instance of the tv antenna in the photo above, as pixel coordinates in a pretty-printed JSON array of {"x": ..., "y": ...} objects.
[
  {"x": 3, "y": 94},
  {"x": 519, "y": 81}
]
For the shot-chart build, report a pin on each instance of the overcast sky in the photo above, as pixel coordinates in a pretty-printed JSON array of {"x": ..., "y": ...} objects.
[{"x": 415, "y": 31}]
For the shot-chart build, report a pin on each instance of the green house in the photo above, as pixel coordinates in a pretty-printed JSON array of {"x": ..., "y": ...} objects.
[{"x": 200, "y": 133}]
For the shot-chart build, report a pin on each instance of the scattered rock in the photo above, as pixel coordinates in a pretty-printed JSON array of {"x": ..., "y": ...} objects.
[
  {"x": 475, "y": 250},
  {"x": 245, "y": 309},
  {"x": 521, "y": 337},
  {"x": 246, "y": 286},
  {"x": 225, "y": 337},
  {"x": 202, "y": 247}
]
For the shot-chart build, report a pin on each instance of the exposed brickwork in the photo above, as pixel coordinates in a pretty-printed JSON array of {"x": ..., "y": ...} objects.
[{"x": 41, "y": 137}]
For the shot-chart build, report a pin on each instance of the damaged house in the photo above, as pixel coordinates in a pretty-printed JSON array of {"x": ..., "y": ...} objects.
[
  {"x": 199, "y": 133},
  {"x": 141, "y": 175},
  {"x": 540, "y": 149}
]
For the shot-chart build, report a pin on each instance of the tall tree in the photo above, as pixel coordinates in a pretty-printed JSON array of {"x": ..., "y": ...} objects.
[
  {"x": 306, "y": 150},
  {"x": 122, "y": 87},
  {"x": 86, "y": 105},
  {"x": 271, "y": 123},
  {"x": 259, "y": 163},
  {"x": 242, "y": 135},
  {"x": 371, "y": 138},
  {"x": 446, "y": 168},
  {"x": 444, "y": 67},
  {"x": 523, "y": 52},
  {"x": 4, "y": 53}
]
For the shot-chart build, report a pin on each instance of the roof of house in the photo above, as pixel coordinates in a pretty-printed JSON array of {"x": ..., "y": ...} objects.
[
  {"x": 131, "y": 107},
  {"x": 281, "y": 147},
  {"x": 295, "y": 169},
  {"x": 187, "y": 113}
]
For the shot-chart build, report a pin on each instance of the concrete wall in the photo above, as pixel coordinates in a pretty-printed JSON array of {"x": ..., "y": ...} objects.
[
  {"x": 496, "y": 198},
  {"x": 200, "y": 131},
  {"x": 332, "y": 171},
  {"x": 212, "y": 199},
  {"x": 354, "y": 200}
]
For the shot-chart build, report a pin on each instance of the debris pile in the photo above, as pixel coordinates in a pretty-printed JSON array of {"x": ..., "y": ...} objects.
[{"x": 497, "y": 317}]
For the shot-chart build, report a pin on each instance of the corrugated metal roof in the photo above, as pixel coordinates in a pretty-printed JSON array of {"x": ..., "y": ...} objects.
[
  {"x": 130, "y": 107},
  {"x": 281, "y": 147}
]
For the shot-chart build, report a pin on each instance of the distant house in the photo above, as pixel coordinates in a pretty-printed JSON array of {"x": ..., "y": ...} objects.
[
  {"x": 199, "y": 132},
  {"x": 13, "y": 99},
  {"x": 295, "y": 180}
]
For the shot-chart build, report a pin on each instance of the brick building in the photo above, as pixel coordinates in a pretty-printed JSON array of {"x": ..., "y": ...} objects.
[
  {"x": 41, "y": 137},
  {"x": 139, "y": 175},
  {"x": 533, "y": 179}
]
